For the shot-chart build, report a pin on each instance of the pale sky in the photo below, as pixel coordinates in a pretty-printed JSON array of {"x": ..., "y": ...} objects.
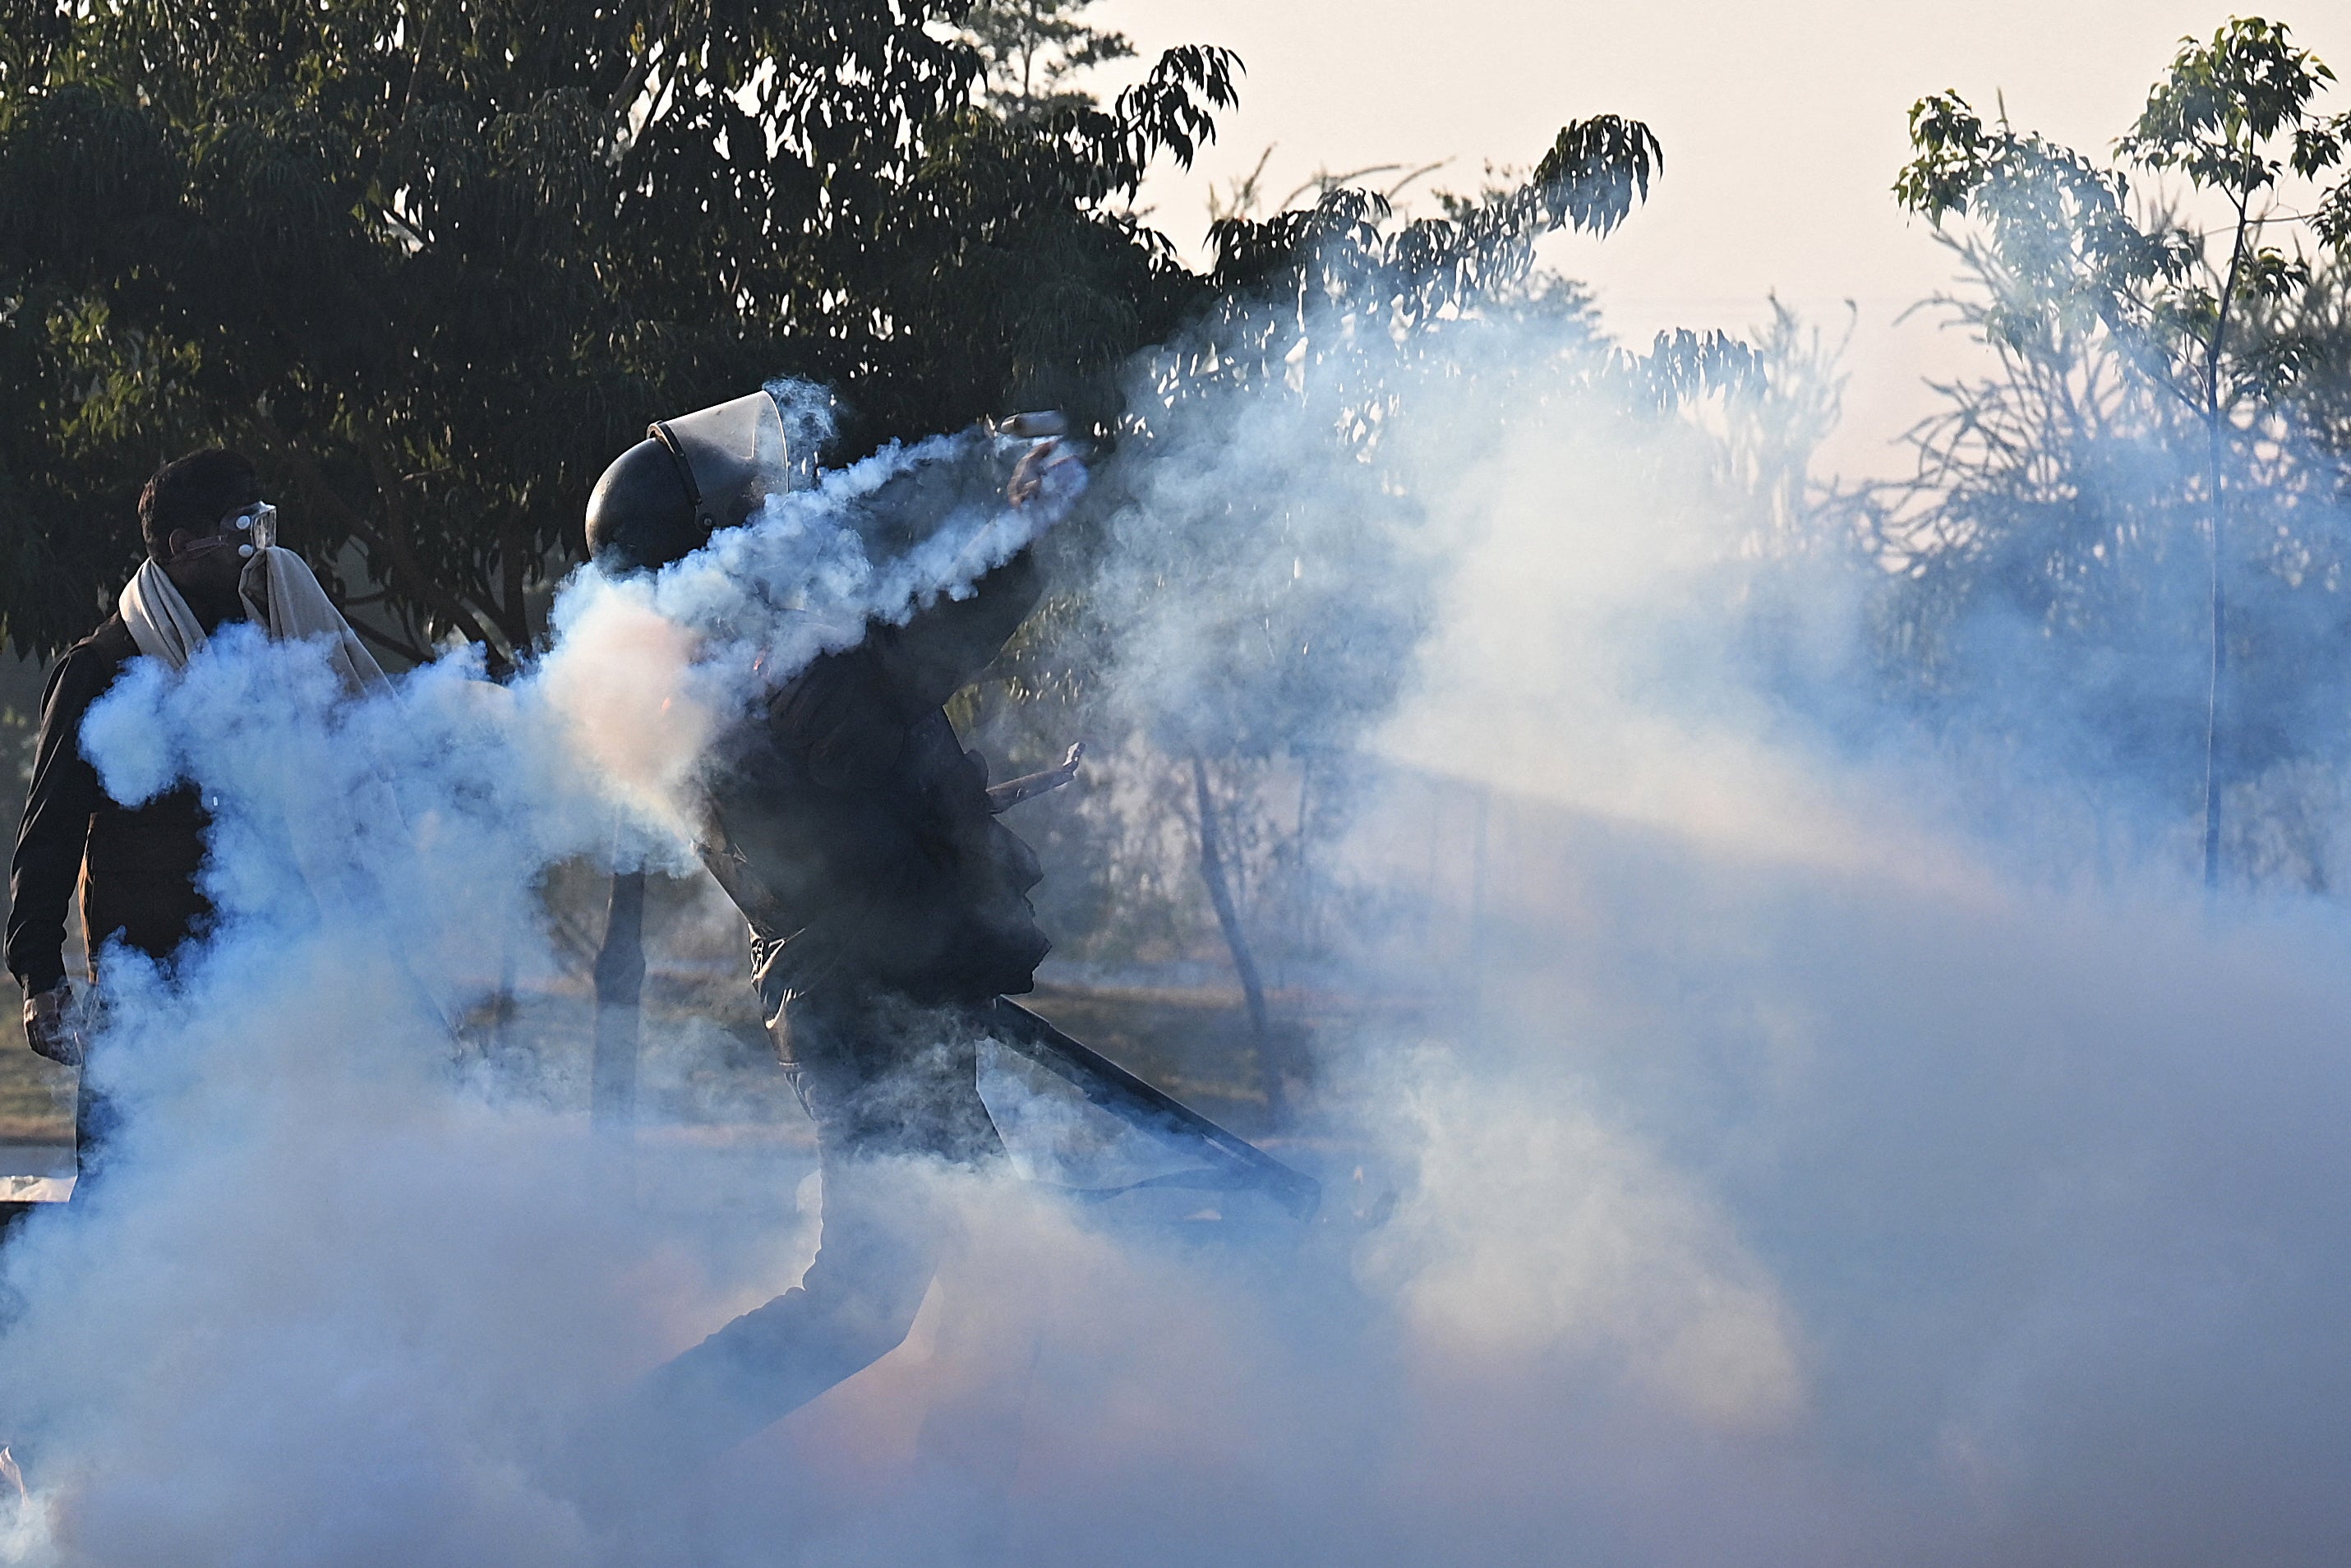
[{"x": 1783, "y": 122}]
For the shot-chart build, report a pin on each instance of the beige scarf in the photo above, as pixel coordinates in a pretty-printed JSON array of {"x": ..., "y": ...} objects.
[{"x": 280, "y": 592}]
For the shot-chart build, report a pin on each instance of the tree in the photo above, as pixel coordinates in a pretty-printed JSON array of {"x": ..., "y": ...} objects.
[
  {"x": 434, "y": 263},
  {"x": 1035, "y": 47},
  {"x": 2192, "y": 313},
  {"x": 1249, "y": 602}
]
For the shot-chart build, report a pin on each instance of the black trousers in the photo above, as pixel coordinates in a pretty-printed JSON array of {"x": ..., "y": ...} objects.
[{"x": 884, "y": 1079}]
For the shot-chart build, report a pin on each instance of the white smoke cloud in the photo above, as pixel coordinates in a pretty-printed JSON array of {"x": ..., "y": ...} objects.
[{"x": 1792, "y": 1181}]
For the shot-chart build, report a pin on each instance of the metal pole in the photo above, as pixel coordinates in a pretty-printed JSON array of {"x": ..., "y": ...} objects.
[{"x": 620, "y": 989}]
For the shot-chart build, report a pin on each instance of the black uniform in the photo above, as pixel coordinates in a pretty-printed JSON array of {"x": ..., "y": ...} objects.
[
  {"x": 854, "y": 833},
  {"x": 887, "y": 905},
  {"x": 137, "y": 864}
]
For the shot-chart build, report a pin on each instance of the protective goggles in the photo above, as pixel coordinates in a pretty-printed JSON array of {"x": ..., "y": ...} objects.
[{"x": 254, "y": 527}]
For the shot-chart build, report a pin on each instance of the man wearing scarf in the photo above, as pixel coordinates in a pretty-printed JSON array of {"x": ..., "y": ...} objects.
[{"x": 211, "y": 560}]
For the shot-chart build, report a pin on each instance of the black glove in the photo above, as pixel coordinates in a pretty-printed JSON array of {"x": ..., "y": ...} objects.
[{"x": 50, "y": 1027}]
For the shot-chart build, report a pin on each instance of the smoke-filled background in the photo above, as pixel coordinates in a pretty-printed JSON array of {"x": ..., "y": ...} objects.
[{"x": 1736, "y": 949}]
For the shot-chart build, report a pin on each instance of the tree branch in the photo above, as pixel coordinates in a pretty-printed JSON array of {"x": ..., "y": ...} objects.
[
  {"x": 406, "y": 649},
  {"x": 390, "y": 545}
]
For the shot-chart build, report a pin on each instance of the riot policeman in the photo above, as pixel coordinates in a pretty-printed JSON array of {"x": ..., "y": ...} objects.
[{"x": 887, "y": 904}]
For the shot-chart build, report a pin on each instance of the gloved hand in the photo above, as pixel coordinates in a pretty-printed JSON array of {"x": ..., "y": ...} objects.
[
  {"x": 1036, "y": 471},
  {"x": 50, "y": 1025},
  {"x": 1044, "y": 429}
]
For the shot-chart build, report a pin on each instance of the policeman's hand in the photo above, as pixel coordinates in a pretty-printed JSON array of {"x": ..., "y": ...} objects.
[
  {"x": 48, "y": 1025},
  {"x": 1036, "y": 464}
]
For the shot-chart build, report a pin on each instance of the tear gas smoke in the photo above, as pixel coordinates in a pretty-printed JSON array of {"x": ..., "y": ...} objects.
[{"x": 1777, "y": 1176}]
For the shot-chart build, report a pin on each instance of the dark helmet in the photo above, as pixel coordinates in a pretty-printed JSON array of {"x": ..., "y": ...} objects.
[{"x": 663, "y": 498}]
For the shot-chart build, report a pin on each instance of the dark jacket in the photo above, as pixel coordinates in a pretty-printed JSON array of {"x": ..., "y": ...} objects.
[
  {"x": 137, "y": 865},
  {"x": 854, "y": 833}
]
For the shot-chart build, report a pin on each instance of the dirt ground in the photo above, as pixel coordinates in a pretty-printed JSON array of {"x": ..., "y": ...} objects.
[{"x": 706, "y": 1061}]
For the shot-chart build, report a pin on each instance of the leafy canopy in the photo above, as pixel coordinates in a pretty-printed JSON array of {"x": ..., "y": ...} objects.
[
  {"x": 433, "y": 262},
  {"x": 2233, "y": 114},
  {"x": 2127, "y": 548},
  {"x": 1035, "y": 50}
]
